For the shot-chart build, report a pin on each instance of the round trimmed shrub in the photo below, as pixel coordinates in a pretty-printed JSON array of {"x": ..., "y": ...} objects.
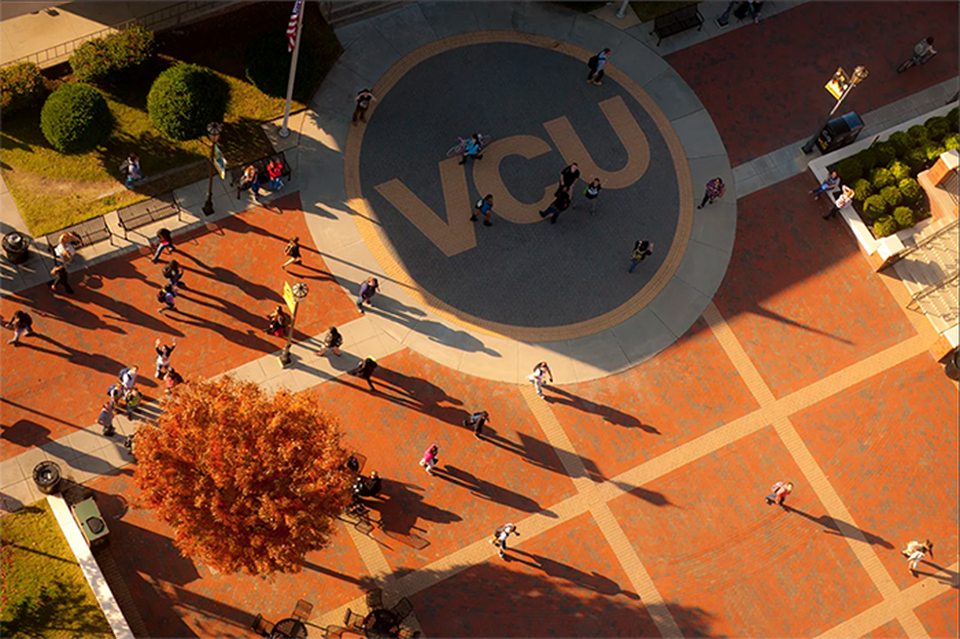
[
  {"x": 185, "y": 98},
  {"x": 21, "y": 86},
  {"x": 874, "y": 207},
  {"x": 880, "y": 178},
  {"x": 885, "y": 152},
  {"x": 910, "y": 190},
  {"x": 916, "y": 160},
  {"x": 951, "y": 141},
  {"x": 918, "y": 134},
  {"x": 898, "y": 170},
  {"x": 885, "y": 226},
  {"x": 75, "y": 118},
  {"x": 932, "y": 152},
  {"x": 891, "y": 195},
  {"x": 901, "y": 143},
  {"x": 903, "y": 216},
  {"x": 862, "y": 189},
  {"x": 267, "y": 65},
  {"x": 922, "y": 214},
  {"x": 849, "y": 170},
  {"x": 867, "y": 159},
  {"x": 937, "y": 127}
]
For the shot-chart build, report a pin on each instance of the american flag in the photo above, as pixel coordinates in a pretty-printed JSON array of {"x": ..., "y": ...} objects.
[{"x": 292, "y": 27}]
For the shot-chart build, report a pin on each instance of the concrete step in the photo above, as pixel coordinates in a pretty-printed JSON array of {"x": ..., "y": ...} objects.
[{"x": 341, "y": 13}]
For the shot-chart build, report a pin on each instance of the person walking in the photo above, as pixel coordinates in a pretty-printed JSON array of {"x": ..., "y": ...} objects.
[
  {"x": 915, "y": 553},
  {"x": 128, "y": 377},
  {"x": 641, "y": 251},
  {"x": 21, "y": 324},
  {"x": 174, "y": 274},
  {"x": 596, "y": 64},
  {"x": 715, "y": 189},
  {"x": 171, "y": 380},
  {"x": 363, "y": 99},
  {"x": 484, "y": 207},
  {"x": 292, "y": 251},
  {"x": 843, "y": 201},
  {"x": 275, "y": 173},
  {"x": 592, "y": 192},
  {"x": 105, "y": 419},
  {"x": 130, "y": 170},
  {"x": 569, "y": 176},
  {"x": 539, "y": 372},
  {"x": 561, "y": 203},
  {"x": 167, "y": 295},
  {"x": 60, "y": 278},
  {"x": 779, "y": 492},
  {"x": 367, "y": 290},
  {"x": 365, "y": 370},
  {"x": 500, "y": 537},
  {"x": 166, "y": 242},
  {"x": 163, "y": 356},
  {"x": 430, "y": 459},
  {"x": 279, "y": 321},
  {"x": 472, "y": 149},
  {"x": 331, "y": 341},
  {"x": 832, "y": 182},
  {"x": 477, "y": 421},
  {"x": 67, "y": 246}
]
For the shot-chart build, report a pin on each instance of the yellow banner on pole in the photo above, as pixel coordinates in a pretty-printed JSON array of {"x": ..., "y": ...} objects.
[{"x": 289, "y": 298}]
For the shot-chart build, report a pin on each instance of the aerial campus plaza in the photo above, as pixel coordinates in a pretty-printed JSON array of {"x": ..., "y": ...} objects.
[{"x": 757, "y": 343}]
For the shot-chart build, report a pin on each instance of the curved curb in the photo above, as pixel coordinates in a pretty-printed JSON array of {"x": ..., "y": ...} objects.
[{"x": 328, "y": 181}]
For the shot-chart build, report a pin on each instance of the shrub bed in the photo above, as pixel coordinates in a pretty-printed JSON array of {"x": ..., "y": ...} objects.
[
  {"x": 75, "y": 118},
  {"x": 21, "y": 86},
  {"x": 102, "y": 58},
  {"x": 267, "y": 65},
  {"x": 184, "y": 99}
]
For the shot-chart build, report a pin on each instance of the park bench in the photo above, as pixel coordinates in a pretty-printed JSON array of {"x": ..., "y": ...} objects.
[
  {"x": 90, "y": 231},
  {"x": 236, "y": 173},
  {"x": 149, "y": 211},
  {"x": 676, "y": 21}
]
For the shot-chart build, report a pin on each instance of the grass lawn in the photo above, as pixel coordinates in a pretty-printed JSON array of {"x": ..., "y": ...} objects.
[
  {"x": 44, "y": 592},
  {"x": 53, "y": 190}
]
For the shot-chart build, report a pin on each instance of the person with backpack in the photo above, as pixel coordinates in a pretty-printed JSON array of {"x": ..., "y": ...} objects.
[
  {"x": 539, "y": 372},
  {"x": 592, "y": 192},
  {"x": 167, "y": 295},
  {"x": 22, "y": 324},
  {"x": 292, "y": 251},
  {"x": 174, "y": 274},
  {"x": 779, "y": 492},
  {"x": 430, "y": 459},
  {"x": 166, "y": 242},
  {"x": 472, "y": 149},
  {"x": 130, "y": 170},
  {"x": 596, "y": 64},
  {"x": 483, "y": 207},
  {"x": 67, "y": 246},
  {"x": 331, "y": 341},
  {"x": 367, "y": 290},
  {"x": 500, "y": 537},
  {"x": 363, "y": 99},
  {"x": 128, "y": 377},
  {"x": 275, "y": 173},
  {"x": 365, "y": 370},
  {"x": 641, "y": 251},
  {"x": 915, "y": 552},
  {"x": 163, "y": 356},
  {"x": 714, "y": 190},
  {"x": 477, "y": 420},
  {"x": 279, "y": 321},
  {"x": 561, "y": 203}
]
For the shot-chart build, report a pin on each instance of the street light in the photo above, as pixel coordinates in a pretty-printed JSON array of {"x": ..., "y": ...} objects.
[
  {"x": 214, "y": 129},
  {"x": 844, "y": 85},
  {"x": 299, "y": 292}
]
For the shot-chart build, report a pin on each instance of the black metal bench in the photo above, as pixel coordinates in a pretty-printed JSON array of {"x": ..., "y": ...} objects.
[
  {"x": 90, "y": 231},
  {"x": 676, "y": 21},
  {"x": 236, "y": 173},
  {"x": 149, "y": 211}
]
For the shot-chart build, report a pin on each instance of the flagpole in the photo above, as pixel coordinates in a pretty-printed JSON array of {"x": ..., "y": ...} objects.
[{"x": 284, "y": 131}]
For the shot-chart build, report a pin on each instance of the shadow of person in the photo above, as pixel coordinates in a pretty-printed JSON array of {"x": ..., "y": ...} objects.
[
  {"x": 610, "y": 415},
  {"x": 836, "y": 527},
  {"x": 944, "y": 575},
  {"x": 402, "y": 505},
  {"x": 592, "y": 581},
  {"x": 488, "y": 491}
]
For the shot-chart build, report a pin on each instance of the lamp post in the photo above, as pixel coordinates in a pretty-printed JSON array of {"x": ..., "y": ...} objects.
[
  {"x": 214, "y": 129},
  {"x": 299, "y": 292},
  {"x": 859, "y": 75},
  {"x": 622, "y": 11}
]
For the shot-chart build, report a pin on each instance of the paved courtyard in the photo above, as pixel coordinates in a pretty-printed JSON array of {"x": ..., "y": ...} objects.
[{"x": 758, "y": 346}]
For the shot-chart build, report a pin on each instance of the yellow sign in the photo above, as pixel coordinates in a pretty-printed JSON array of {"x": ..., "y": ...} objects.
[
  {"x": 289, "y": 298},
  {"x": 220, "y": 162},
  {"x": 838, "y": 83}
]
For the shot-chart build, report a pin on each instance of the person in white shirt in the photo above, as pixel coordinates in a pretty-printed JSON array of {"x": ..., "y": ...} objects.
[{"x": 539, "y": 372}]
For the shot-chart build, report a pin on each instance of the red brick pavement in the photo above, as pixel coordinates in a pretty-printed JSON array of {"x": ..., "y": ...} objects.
[
  {"x": 234, "y": 278},
  {"x": 763, "y": 85},
  {"x": 890, "y": 630},
  {"x": 940, "y": 615}
]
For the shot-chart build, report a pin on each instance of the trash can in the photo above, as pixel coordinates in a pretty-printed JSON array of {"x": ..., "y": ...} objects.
[
  {"x": 17, "y": 247},
  {"x": 91, "y": 522},
  {"x": 839, "y": 132},
  {"x": 46, "y": 475}
]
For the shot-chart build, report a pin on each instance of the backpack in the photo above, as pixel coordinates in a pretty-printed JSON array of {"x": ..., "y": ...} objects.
[
  {"x": 125, "y": 166},
  {"x": 168, "y": 271},
  {"x": 479, "y": 203},
  {"x": 593, "y": 62},
  {"x": 162, "y": 295}
]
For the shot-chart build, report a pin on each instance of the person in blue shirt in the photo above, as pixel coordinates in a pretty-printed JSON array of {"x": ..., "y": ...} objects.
[
  {"x": 484, "y": 207},
  {"x": 472, "y": 149}
]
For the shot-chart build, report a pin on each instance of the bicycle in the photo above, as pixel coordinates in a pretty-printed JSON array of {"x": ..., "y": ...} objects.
[
  {"x": 462, "y": 144},
  {"x": 915, "y": 60}
]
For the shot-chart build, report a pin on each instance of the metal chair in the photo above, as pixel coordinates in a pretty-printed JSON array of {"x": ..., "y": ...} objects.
[
  {"x": 303, "y": 610},
  {"x": 375, "y": 599},
  {"x": 334, "y": 632},
  {"x": 261, "y": 626},
  {"x": 353, "y": 620},
  {"x": 403, "y": 609}
]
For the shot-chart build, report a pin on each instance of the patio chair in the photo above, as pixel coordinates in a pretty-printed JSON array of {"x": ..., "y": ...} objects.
[
  {"x": 375, "y": 599},
  {"x": 406, "y": 633},
  {"x": 334, "y": 632},
  {"x": 353, "y": 620},
  {"x": 261, "y": 626},
  {"x": 403, "y": 609},
  {"x": 303, "y": 610}
]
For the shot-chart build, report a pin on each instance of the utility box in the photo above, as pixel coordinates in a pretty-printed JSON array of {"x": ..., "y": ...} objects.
[
  {"x": 91, "y": 522},
  {"x": 839, "y": 132}
]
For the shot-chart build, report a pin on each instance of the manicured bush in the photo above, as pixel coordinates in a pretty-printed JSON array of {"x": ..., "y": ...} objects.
[
  {"x": 891, "y": 195},
  {"x": 951, "y": 141},
  {"x": 862, "y": 189},
  {"x": 75, "y": 118},
  {"x": 874, "y": 207},
  {"x": 849, "y": 170},
  {"x": 916, "y": 160},
  {"x": 21, "y": 86},
  {"x": 96, "y": 60},
  {"x": 901, "y": 143},
  {"x": 185, "y": 98},
  {"x": 937, "y": 127},
  {"x": 868, "y": 159},
  {"x": 885, "y": 152},
  {"x": 932, "y": 152},
  {"x": 880, "y": 178},
  {"x": 267, "y": 65},
  {"x": 910, "y": 190},
  {"x": 885, "y": 226},
  {"x": 918, "y": 134},
  {"x": 903, "y": 216},
  {"x": 898, "y": 170}
]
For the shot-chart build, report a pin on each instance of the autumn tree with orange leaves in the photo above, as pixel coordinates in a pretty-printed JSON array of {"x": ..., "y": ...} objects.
[{"x": 250, "y": 483}]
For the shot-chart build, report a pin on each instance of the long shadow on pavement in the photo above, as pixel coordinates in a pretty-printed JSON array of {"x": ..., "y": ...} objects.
[{"x": 833, "y": 527}]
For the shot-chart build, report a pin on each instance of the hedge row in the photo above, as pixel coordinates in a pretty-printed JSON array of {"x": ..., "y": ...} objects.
[
  {"x": 99, "y": 59},
  {"x": 21, "y": 86}
]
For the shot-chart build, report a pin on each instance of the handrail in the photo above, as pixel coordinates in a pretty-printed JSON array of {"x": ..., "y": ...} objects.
[
  {"x": 927, "y": 240},
  {"x": 914, "y": 304}
]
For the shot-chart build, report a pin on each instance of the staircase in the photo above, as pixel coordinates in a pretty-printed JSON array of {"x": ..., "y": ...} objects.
[
  {"x": 929, "y": 269},
  {"x": 338, "y": 14}
]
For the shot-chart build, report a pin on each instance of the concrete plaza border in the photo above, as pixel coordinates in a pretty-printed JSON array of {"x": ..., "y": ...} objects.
[{"x": 375, "y": 46}]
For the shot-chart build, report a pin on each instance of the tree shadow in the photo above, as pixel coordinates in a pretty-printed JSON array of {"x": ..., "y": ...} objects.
[
  {"x": 57, "y": 609},
  {"x": 489, "y": 491},
  {"x": 834, "y": 527},
  {"x": 610, "y": 415}
]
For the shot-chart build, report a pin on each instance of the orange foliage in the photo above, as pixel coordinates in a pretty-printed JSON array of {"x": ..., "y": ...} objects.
[{"x": 249, "y": 482}]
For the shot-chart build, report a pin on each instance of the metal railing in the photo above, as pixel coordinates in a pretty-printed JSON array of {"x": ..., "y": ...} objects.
[
  {"x": 950, "y": 279},
  {"x": 927, "y": 240}
]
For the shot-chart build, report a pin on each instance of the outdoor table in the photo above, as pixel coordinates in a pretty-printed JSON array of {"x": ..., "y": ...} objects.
[
  {"x": 289, "y": 628},
  {"x": 380, "y": 623}
]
